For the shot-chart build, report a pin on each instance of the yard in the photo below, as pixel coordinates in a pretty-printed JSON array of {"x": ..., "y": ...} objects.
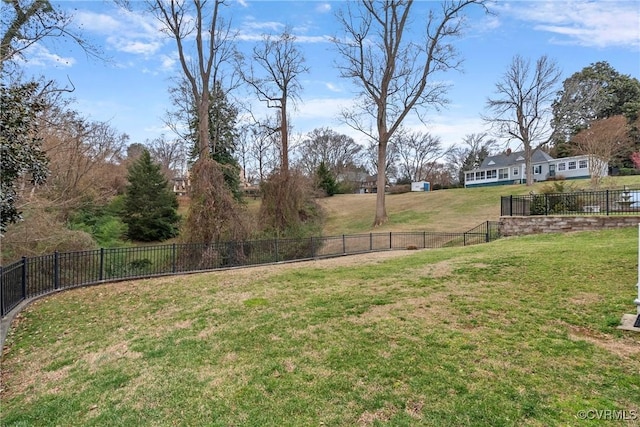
[{"x": 521, "y": 331}]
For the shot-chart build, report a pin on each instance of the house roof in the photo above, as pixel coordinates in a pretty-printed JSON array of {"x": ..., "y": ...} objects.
[{"x": 513, "y": 158}]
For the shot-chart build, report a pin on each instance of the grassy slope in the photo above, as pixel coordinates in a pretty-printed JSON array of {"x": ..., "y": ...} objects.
[
  {"x": 517, "y": 332},
  {"x": 453, "y": 210}
]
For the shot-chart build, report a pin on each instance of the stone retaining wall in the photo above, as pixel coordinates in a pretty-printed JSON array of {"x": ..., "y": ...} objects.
[{"x": 521, "y": 225}]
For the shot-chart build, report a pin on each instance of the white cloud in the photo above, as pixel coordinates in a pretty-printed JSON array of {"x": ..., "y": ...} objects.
[
  {"x": 38, "y": 55},
  {"x": 125, "y": 31},
  {"x": 167, "y": 62},
  {"x": 252, "y": 25},
  {"x": 323, "y": 8},
  {"x": 586, "y": 23},
  {"x": 332, "y": 87}
]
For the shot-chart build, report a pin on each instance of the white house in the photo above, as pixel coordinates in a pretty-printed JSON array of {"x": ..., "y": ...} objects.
[{"x": 509, "y": 168}]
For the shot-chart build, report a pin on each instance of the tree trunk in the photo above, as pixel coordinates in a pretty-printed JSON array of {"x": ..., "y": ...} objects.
[
  {"x": 284, "y": 134},
  {"x": 528, "y": 163},
  {"x": 381, "y": 210},
  {"x": 203, "y": 126}
]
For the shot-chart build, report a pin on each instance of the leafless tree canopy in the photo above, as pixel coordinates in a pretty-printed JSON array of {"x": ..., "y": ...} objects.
[
  {"x": 337, "y": 151},
  {"x": 474, "y": 149},
  {"x": 521, "y": 109},
  {"x": 170, "y": 154},
  {"x": 85, "y": 157},
  {"x": 204, "y": 42},
  {"x": 198, "y": 22},
  {"x": 417, "y": 153},
  {"x": 275, "y": 79},
  {"x": 28, "y": 22},
  {"x": 393, "y": 70},
  {"x": 604, "y": 139}
]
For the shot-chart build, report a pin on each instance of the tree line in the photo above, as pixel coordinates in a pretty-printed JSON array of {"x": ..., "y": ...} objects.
[{"x": 69, "y": 168}]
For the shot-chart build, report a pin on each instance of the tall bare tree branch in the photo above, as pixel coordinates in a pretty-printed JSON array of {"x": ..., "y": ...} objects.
[
  {"x": 275, "y": 80},
  {"x": 521, "y": 110},
  {"x": 393, "y": 70}
]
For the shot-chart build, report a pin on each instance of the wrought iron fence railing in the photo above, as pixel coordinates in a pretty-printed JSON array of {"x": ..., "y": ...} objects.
[
  {"x": 34, "y": 276},
  {"x": 606, "y": 202}
]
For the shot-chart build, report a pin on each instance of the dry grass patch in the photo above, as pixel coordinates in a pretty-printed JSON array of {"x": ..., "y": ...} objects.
[{"x": 622, "y": 349}]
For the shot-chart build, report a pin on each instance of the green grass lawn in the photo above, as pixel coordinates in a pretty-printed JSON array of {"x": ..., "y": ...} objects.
[
  {"x": 455, "y": 210},
  {"x": 521, "y": 331}
]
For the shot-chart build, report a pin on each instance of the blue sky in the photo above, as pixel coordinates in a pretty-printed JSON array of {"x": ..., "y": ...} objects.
[{"x": 130, "y": 90}]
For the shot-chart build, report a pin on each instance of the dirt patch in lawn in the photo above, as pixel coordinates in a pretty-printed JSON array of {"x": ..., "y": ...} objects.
[{"x": 617, "y": 347}]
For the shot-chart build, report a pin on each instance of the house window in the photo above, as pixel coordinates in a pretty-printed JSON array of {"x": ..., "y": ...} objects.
[
  {"x": 480, "y": 175},
  {"x": 582, "y": 164},
  {"x": 492, "y": 174},
  {"x": 562, "y": 166},
  {"x": 503, "y": 173},
  {"x": 572, "y": 165},
  {"x": 537, "y": 169},
  {"x": 515, "y": 171},
  {"x": 470, "y": 176}
]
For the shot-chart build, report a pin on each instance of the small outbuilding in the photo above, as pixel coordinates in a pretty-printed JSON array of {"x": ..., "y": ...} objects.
[{"x": 421, "y": 186}]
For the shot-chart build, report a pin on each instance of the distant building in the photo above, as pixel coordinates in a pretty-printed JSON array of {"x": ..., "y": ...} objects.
[
  {"x": 182, "y": 184},
  {"x": 509, "y": 168},
  {"x": 421, "y": 186}
]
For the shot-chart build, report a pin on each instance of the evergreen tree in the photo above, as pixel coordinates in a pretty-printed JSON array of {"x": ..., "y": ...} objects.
[
  {"x": 326, "y": 180},
  {"x": 21, "y": 153},
  {"x": 596, "y": 92},
  {"x": 150, "y": 207}
]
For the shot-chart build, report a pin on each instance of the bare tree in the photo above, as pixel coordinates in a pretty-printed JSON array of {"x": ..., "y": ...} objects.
[
  {"x": 521, "y": 110},
  {"x": 180, "y": 118},
  {"x": 372, "y": 158},
  {"x": 84, "y": 160},
  {"x": 265, "y": 151},
  {"x": 202, "y": 64},
  {"x": 170, "y": 154},
  {"x": 474, "y": 149},
  {"x": 394, "y": 66},
  {"x": 27, "y": 22},
  {"x": 417, "y": 153},
  {"x": 204, "y": 41},
  {"x": 275, "y": 80},
  {"x": 337, "y": 151},
  {"x": 601, "y": 141}
]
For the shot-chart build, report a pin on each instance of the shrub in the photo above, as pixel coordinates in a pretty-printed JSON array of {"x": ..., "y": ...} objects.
[
  {"x": 288, "y": 208},
  {"x": 400, "y": 189},
  {"x": 41, "y": 233}
]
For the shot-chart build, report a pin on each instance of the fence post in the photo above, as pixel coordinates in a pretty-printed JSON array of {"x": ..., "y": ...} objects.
[
  {"x": 56, "y": 270},
  {"x": 276, "y": 246},
  {"x": 313, "y": 247},
  {"x": 173, "y": 258},
  {"x": 546, "y": 205},
  {"x": 1, "y": 292},
  {"x": 101, "y": 273},
  {"x": 390, "y": 241},
  {"x": 344, "y": 245},
  {"x": 487, "y": 238},
  {"x": 424, "y": 240},
  {"x": 24, "y": 277},
  {"x": 370, "y": 242},
  {"x": 464, "y": 239},
  {"x": 607, "y": 198},
  {"x": 511, "y": 205}
]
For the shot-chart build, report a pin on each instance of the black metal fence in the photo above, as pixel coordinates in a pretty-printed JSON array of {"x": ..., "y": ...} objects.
[
  {"x": 34, "y": 276},
  {"x": 605, "y": 202}
]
